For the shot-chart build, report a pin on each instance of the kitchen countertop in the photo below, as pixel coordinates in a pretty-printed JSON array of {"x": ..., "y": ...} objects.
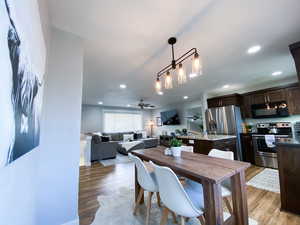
[
  {"x": 289, "y": 142},
  {"x": 208, "y": 137}
]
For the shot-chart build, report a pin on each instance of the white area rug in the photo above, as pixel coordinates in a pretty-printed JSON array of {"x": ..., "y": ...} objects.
[
  {"x": 268, "y": 180},
  {"x": 117, "y": 209},
  {"x": 118, "y": 160}
]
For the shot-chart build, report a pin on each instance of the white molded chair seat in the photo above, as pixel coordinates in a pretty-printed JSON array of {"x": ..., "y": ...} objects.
[
  {"x": 226, "y": 184},
  {"x": 147, "y": 181},
  {"x": 186, "y": 202},
  {"x": 196, "y": 196}
]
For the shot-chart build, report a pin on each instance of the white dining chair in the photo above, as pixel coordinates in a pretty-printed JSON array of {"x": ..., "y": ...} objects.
[
  {"x": 184, "y": 201},
  {"x": 226, "y": 184},
  {"x": 147, "y": 181}
]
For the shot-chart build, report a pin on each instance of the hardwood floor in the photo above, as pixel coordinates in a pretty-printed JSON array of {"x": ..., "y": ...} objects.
[{"x": 98, "y": 180}]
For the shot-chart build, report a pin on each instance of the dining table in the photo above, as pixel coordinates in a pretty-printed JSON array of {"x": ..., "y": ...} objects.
[{"x": 210, "y": 172}]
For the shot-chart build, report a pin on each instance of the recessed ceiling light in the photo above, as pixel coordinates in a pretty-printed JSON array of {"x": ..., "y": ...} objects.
[
  {"x": 100, "y": 103},
  {"x": 276, "y": 73},
  {"x": 185, "y": 97},
  {"x": 123, "y": 86},
  {"x": 160, "y": 93},
  {"x": 254, "y": 49},
  {"x": 226, "y": 86},
  {"x": 193, "y": 75},
  {"x": 128, "y": 105}
]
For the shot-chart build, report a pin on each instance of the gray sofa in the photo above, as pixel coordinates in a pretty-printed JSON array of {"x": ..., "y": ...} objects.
[
  {"x": 103, "y": 150},
  {"x": 108, "y": 150},
  {"x": 137, "y": 147}
]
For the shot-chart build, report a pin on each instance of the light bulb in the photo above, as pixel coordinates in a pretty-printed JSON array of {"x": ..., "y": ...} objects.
[
  {"x": 168, "y": 81},
  {"x": 181, "y": 74},
  {"x": 158, "y": 85},
  {"x": 196, "y": 66}
]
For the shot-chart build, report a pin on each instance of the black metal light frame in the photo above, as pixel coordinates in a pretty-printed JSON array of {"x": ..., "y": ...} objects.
[{"x": 175, "y": 62}]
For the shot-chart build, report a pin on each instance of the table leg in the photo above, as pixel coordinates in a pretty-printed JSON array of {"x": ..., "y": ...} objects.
[
  {"x": 137, "y": 187},
  {"x": 239, "y": 199},
  {"x": 213, "y": 203}
]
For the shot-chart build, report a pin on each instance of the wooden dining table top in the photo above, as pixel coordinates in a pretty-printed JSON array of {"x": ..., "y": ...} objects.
[{"x": 195, "y": 166}]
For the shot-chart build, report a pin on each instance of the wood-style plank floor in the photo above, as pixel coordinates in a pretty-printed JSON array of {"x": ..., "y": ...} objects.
[{"x": 264, "y": 206}]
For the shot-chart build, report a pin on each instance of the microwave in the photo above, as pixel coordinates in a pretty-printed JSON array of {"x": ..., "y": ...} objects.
[{"x": 270, "y": 110}]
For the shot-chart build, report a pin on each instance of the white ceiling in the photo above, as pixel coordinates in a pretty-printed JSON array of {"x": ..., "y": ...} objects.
[{"x": 126, "y": 42}]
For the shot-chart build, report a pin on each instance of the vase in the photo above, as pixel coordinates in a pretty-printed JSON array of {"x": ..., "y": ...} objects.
[{"x": 176, "y": 151}]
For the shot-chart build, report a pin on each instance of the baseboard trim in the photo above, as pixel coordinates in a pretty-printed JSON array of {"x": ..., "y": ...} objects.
[{"x": 73, "y": 222}]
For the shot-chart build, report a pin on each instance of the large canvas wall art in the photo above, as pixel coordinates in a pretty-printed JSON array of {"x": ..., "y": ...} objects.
[{"x": 20, "y": 88}]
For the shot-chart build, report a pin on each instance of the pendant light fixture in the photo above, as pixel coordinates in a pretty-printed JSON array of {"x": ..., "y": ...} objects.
[
  {"x": 176, "y": 67},
  {"x": 168, "y": 81},
  {"x": 181, "y": 74}
]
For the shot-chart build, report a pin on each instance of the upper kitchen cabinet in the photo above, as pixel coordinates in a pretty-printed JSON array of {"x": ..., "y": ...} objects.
[
  {"x": 226, "y": 100},
  {"x": 270, "y": 95},
  {"x": 257, "y": 98},
  {"x": 293, "y": 99},
  {"x": 246, "y": 106},
  {"x": 276, "y": 95},
  {"x": 295, "y": 50}
]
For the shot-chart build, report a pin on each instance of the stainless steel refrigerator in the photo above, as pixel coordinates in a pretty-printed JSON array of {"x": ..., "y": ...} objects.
[{"x": 226, "y": 121}]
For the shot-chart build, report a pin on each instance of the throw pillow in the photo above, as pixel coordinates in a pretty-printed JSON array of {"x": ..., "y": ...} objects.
[
  {"x": 105, "y": 139},
  {"x": 96, "y": 139},
  {"x": 128, "y": 137}
]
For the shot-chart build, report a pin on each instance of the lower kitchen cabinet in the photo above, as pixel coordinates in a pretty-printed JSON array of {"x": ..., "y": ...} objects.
[
  {"x": 289, "y": 170},
  {"x": 247, "y": 148},
  {"x": 204, "y": 146}
]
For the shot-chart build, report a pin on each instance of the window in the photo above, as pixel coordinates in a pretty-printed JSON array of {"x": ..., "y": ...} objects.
[{"x": 122, "y": 121}]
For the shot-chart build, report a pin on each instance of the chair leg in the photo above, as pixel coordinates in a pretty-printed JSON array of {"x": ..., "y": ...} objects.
[
  {"x": 138, "y": 200},
  {"x": 158, "y": 199},
  {"x": 164, "y": 218},
  {"x": 174, "y": 217},
  {"x": 228, "y": 205},
  {"x": 150, "y": 194},
  {"x": 182, "y": 220},
  {"x": 202, "y": 219}
]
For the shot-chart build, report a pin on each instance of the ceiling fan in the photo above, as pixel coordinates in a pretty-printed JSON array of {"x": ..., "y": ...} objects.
[{"x": 144, "y": 105}]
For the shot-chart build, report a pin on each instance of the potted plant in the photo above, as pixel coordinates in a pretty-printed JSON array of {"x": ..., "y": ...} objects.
[{"x": 176, "y": 147}]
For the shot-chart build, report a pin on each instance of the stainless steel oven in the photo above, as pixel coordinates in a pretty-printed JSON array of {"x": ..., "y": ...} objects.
[
  {"x": 265, "y": 155},
  {"x": 265, "y": 152}
]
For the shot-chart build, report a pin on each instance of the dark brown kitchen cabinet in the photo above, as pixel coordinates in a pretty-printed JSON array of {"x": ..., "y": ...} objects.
[
  {"x": 289, "y": 93},
  {"x": 204, "y": 146},
  {"x": 295, "y": 50},
  {"x": 268, "y": 96},
  {"x": 293, "y": 99},
  {"x": 258, "y": 98},
  {"x": 234, "y": 99},
  {"x": 276, "y": 95},
  {"x": 247, "y": 148},
  {"x": 246, "y": 107},
  {"x": 289, "y": 170}
]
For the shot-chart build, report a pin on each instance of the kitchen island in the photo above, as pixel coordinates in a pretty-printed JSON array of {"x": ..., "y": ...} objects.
[
  {"x": 288, "y": 151},
  {"x": 204, "y": 143}
]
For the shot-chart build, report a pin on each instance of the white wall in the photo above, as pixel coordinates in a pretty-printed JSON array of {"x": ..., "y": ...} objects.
[
  {"x": 58, "y": 171},
  {"x": 92, "y": 117},
  {"x": 183, "y": 113},
  {"x": 41, "y": 188},
  {"x": 18, "y": 181}
]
